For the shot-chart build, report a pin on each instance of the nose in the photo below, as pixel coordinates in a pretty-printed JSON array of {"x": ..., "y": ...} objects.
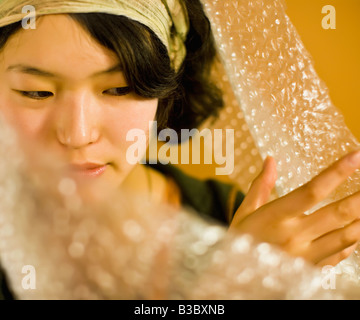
[{"x": 77, "y": 121}]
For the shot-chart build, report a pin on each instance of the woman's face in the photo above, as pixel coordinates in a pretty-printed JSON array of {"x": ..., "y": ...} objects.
[{"x": 65, "y": 93}]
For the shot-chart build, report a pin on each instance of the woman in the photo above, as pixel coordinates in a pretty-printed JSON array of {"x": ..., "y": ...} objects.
[{"x": 74, "y": 86}]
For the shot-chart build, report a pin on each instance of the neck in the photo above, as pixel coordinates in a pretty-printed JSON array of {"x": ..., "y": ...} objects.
[{"x": 146, "y": 182}]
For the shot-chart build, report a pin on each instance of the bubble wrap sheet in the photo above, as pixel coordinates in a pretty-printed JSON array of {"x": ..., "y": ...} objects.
[
  {"x": 278, "y": 105},
  {"x": 130, "y": 249}
]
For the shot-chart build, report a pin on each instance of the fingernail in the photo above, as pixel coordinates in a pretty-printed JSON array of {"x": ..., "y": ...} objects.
[{"x": 354, "y": 159}]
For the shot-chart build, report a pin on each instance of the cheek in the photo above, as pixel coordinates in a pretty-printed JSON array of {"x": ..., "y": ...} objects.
[
  {"x": 139, "y": 116},
  {"x": 27, "y": 123},
  {"x": 29, "y": 127},
  {"x": 119, "y": 124}
]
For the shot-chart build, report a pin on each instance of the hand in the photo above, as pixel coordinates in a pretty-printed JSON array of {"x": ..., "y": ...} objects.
[{"x": 325, "y": 237}]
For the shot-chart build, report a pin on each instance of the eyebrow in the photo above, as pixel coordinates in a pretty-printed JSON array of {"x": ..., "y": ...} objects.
[{"x": 43, "y": 73}]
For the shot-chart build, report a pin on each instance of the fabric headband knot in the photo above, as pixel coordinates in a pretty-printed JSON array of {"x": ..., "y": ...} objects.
[{"x": 168, "y": 19}]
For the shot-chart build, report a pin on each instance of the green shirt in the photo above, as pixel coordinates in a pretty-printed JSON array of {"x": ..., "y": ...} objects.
[{"x": 210, "y": 198}]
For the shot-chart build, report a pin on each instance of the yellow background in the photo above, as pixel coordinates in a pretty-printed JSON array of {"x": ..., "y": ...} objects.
[{"x": 336, "y": 53}]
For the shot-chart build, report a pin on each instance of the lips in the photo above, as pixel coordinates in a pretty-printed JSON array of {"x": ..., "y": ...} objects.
[{"x": 91, "y": 170}]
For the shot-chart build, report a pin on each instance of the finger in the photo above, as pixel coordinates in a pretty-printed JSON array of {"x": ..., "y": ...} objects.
[
  {"x": 334, "y": 242},
  {"x": 261, "y": 188},
  {"x": 338, "y": 257},
  {"x": 331, "y": 217},
  {"x": 318, "y": 189},
  {"x": 259, "y": 192}
]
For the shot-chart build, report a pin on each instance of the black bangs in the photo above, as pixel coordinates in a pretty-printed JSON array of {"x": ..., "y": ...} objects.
[
  {"x": 7, "y": 31},
  {"x": 142, "y": 55}
]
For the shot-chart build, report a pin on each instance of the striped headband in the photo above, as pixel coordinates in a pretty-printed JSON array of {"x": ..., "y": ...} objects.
[{"x": 168, "y": 19}]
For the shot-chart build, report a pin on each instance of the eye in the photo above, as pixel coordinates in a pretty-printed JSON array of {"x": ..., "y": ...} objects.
[
  {"x": 121, "y": 91},
  {"x": 37, "y": 95}
]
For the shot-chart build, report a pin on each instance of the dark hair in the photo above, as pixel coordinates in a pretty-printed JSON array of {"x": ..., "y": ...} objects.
[{"x": 186, "y": 98}]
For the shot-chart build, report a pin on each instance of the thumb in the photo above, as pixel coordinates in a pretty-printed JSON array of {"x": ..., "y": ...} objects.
[{"x": 259, "y": 192}]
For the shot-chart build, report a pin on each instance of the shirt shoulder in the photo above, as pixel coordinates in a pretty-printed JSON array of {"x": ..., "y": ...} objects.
[{"x": 212, "y": 198}]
